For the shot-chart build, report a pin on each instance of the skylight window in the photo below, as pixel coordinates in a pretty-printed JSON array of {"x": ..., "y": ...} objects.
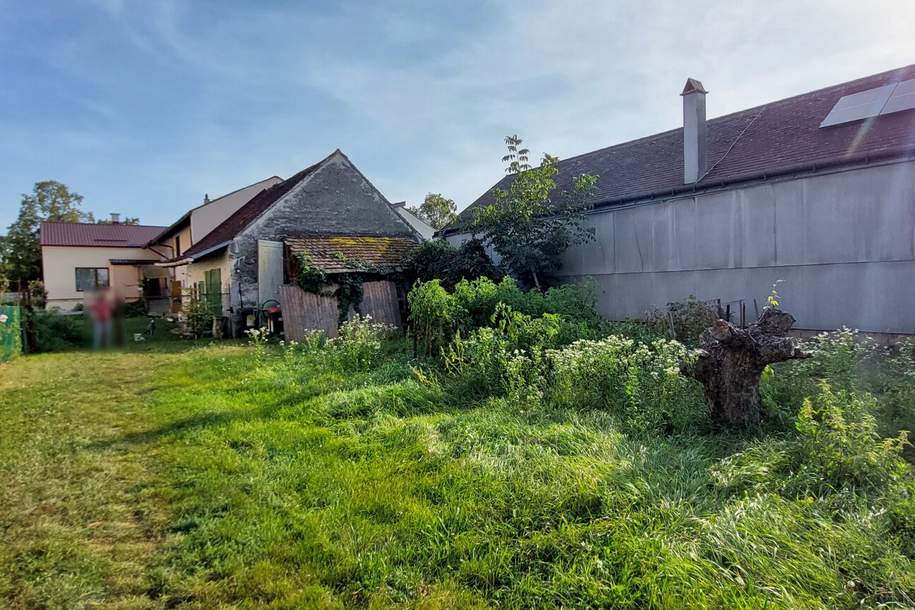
[{"x": 894, "y": 97}]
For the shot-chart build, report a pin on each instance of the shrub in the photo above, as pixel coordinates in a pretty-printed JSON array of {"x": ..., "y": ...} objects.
[
  {"x": 640, "y": 383},
  {"x": 844, "y": 359},
  {"x": 437, "y": 315},
  {"x": 55, "y": 332},
  {"x": 438, "y": 259},
  {"x": 434, "y": 315},
  {"x": 835, "y": 447},
  {"x": 503, "y": 359},
  {"x": 892, "y": 378},
  {"x": 360, "y": 342},
  {"x": 134, "y": 309},
  {"x": 838, "y": 438},
  {"x": 684, "y": 321}
]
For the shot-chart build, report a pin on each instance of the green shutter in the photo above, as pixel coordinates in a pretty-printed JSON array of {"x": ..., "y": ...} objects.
[{"x": 213, "y": 280}]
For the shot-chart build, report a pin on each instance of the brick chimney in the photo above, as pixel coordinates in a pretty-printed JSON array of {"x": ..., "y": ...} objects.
[
  {"x": 694, "y": 131},
  {"x": 115, "y": 218}
]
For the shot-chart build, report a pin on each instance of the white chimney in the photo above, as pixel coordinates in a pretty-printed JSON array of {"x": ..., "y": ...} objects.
[
  {"x": 694, "y": 136},
  {"x": 115, "y": 218}
]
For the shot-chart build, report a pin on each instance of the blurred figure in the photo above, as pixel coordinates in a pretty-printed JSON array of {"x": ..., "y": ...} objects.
[
  {"x": 118, "y": 328},
  {"x": 102, "y": 310}
]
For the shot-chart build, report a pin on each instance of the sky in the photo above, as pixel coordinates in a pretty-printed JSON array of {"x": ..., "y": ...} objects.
[{"x": 142, "y": 107}]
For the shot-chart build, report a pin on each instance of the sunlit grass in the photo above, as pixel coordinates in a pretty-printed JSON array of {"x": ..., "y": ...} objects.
[{"x": 210, "y": 478}]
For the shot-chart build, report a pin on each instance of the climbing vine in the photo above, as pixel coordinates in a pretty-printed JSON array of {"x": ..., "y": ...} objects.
[
  {"x": 309, "y": 277},
  {"x": 349, "y": 292}
]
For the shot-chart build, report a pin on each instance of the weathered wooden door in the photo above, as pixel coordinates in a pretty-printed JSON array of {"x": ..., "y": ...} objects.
[
  {"x": 269, "y": 270},
  {"x": 379, "y": 300},
  {"x": 307, "y": 311}
]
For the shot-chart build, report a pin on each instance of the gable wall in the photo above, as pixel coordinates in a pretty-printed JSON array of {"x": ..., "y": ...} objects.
[{"x": 336, "y": 198}]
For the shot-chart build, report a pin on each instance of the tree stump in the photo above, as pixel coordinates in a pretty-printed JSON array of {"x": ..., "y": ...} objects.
[{"x": 732, "y": 360}]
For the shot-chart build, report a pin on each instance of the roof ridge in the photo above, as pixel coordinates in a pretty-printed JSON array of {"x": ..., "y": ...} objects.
[{"x": 238, "y": 190}]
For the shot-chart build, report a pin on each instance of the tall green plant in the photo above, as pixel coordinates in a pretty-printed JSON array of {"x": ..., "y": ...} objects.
[{"x": 532, "y": 224}]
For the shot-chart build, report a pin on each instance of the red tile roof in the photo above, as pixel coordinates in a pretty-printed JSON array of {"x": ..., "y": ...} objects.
[
  {"x": 776, "y": 138},
  {"x": 352, "y": 253},
  {"x": 99, "y": 235}
]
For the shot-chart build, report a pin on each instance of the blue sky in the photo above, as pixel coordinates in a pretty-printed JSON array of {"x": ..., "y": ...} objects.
[{"x": 142, "y": 107}]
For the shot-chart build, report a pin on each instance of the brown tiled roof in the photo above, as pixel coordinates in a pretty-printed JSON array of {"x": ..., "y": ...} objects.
[
  {"x": 235, "y": 223},
  {"x": 352, "y": 253},
  {"x": 777, "y": 138},
  {"x": 99, "y": 235}
]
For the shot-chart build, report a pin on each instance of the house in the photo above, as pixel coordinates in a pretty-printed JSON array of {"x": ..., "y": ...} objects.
[
  {"x": 78, "y": 258},
  {"x": 816, "y": 191},
  {"x": 196, "y": 224},
  {"x": 328, "y": 212}
]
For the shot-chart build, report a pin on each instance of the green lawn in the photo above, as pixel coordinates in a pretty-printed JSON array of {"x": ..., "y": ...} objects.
[{"x": 223, "y": 477}]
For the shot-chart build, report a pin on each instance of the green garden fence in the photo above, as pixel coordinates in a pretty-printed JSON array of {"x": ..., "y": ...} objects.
[{"x": 10, "y": 332}]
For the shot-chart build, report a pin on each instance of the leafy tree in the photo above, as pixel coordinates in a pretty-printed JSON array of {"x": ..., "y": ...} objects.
[
  {"x": 436, "y": 210},
  {"x": 49, "y": 200},
  {"x": 517, "y": 157},
  {"x": 530, "y": 225}
]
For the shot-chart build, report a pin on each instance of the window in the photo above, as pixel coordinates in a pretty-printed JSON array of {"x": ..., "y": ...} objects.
[
  {"x": 177, "y": 245},
  {"x": 91, "y": 278}
]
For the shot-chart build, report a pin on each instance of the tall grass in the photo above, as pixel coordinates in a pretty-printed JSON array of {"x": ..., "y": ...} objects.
[
  {"x": 327, "y": 475},
  {"x": 387, "y": 486}
]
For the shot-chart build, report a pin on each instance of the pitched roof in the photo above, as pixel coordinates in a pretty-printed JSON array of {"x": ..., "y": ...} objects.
[
  {"x": 776, "y": 138},
  {"x": 235, "y": 223},
  {"x": 99, "y": 235},
  {"x": 352, "y": 253},
  {"x": 423, "y": 228}
]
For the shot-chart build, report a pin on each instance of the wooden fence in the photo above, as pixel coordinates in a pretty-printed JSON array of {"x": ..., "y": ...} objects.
[
  {"x": 379, "y": 300},
  {"x": 304, "y": 311}
]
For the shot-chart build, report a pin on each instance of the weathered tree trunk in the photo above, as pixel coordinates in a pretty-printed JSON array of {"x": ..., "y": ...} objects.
[{"x": 732, "y": 360}]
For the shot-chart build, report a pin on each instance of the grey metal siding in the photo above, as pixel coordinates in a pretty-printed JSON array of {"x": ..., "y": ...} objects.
[{"x": 842, "y": 242}]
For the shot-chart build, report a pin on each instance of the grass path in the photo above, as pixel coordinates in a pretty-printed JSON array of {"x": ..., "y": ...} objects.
[{"x": 80, "y": 513}]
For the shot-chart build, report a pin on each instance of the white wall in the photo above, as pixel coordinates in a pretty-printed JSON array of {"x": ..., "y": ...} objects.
[
  {"x": 207, "y": 217},
  {"x": 60, "y": 262}
]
